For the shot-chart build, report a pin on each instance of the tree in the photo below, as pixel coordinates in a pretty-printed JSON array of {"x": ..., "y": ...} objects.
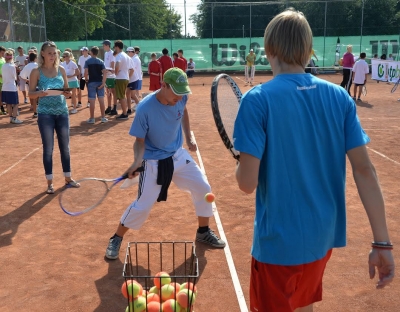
[
  {"x": 148, "y": 19},
  {"x": 343, "y": 17},
  {"x": 69, "y": 22}
]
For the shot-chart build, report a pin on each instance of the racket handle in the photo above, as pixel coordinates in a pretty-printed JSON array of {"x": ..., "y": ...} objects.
[{"x": 140, "y": 169}]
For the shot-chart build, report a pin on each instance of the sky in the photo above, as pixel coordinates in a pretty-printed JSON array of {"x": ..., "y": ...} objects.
[{"x": 191, "y": 7}]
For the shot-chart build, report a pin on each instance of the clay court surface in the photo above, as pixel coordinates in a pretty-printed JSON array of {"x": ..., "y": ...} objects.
[{"x": 53, "y": 262}]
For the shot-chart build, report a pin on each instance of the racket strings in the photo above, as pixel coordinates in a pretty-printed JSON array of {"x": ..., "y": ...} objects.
[
  {"x": 87, "y": 196},
  {"x": 228, "y": 106}
]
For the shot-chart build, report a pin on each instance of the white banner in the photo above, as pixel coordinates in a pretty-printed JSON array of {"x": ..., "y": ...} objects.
[{"x": 385, "y": 70}]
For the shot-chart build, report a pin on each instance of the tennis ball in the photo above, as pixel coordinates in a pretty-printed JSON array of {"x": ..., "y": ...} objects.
[
  {"x": 167, "y": 292},
  {"x": 131, "y": 288},
  {"x": 171, "y": 306},
  {"x": 161, "y": 279},
  {"x": 177, "y": 286},
  {"x": 154, "y": 290},
  {"x": 152, "y": 297},
  {"x": 153, "y": 307},
  {"x": 209, "y": 197},
  {"x": 190, "y": 286},
  {"x": 138, "y": 305},
  {"x": 186, "y": 298}
]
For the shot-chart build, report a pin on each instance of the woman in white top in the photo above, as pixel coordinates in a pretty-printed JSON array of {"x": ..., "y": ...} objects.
[
  {"x": 72, "y": 74},
  {"x": 24, "y": 77},
  {"x": 9, "y": 91}
]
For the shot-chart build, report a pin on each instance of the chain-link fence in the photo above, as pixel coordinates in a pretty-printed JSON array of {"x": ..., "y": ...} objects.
[
  {"x": 22, "y": 21},
  {"x": 225, "y": 30}
]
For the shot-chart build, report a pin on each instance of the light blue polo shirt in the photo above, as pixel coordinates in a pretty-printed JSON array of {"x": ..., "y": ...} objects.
[
  {"x": 300, "y": 127},
  {"x": 160, "y": 127}
]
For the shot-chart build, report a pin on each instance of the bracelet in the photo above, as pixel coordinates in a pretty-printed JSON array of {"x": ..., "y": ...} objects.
[
  {"x": 382, "y": 247},
  {"x": 382, "y": 243}
]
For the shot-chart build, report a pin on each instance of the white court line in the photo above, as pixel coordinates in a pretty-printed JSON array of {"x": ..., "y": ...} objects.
[
  {"x": 228, "y": 254},
  {"x": 384, "y": 156},
  {"x": 23, "y": 158}
]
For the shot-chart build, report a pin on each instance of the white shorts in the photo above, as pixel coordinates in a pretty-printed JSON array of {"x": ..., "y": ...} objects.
[
  {"x": 187, "y": 176},
  {"x": 23, "y": 86}
]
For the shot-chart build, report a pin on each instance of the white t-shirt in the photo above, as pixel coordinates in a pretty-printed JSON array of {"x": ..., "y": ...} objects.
[
  {"x": 26, "y": 72},
  {"x": 191, "y": 65},
  {"x": 140, "y": 67},
  {"x": 21, "y": 60},
  {"x": 70, "y": 70},
  {"x": 81, "y": 63},
  {"x": 360, "y": 69},
  {"x": 108, "y": 59},
  {"x": 125, "y": 63},
  {"x": 9, "y": 76},
  {"x": 137, "y": 69}
]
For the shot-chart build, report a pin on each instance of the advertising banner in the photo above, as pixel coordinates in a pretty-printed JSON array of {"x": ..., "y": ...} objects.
[{"x": 385, "y": 70}]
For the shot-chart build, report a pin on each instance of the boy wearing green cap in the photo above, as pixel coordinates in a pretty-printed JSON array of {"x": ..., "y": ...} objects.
[{"x": 160, "y": 119}]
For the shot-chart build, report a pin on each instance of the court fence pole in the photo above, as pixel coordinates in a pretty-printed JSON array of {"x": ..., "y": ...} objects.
[
  {"x": 29, "y": 21},
  {"x": 362, "y": 23},
  {"x": 212, "y": 34},
  {"x": 170, "y": 26},
  {"x": 129, "y": 23},
  {"x": 44, "y": 22},
  {"x": 250, "y": 30},
  {"x": 10, "y": 22},
  {"x": 86, "y": 28},
  {"x": 326, "y": 10}
]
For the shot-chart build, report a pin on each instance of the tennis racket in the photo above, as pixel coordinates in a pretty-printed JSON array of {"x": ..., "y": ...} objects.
[
  {"x": 76, "y": 201},
  {"x": 396, "y": 85},
  {"x": 225, "y": 100},
  {"x": 364, "y": 90}
]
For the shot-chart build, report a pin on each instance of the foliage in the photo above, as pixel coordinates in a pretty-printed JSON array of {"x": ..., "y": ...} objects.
[{"x": 343, "y": 18}]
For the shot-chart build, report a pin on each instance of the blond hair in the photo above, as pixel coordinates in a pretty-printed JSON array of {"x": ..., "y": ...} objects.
[
  {"x": 40, "y": 57},
  {"x": 289, "y": 38},
  {"x": 8, "y": 55},
  {"x": 349, "y": 48}
]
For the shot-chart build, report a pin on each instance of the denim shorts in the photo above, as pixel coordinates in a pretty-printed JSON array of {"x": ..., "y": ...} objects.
[{"x": 93, "y": 90}]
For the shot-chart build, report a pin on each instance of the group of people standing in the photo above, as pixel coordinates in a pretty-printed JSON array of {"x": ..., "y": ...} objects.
[{"x": 354, "y": 72}]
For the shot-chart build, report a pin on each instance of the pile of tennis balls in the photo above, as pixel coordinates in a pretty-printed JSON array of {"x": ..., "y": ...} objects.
[{"x": 164, "y": 296}]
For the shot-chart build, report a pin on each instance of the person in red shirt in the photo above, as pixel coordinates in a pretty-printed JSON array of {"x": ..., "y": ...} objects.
[
  {"x": 155, "y": 73},
  {"x": 180, "y": 55},
  {"x": 166, "y": 62},
  {"x": 178, "y": 62}
]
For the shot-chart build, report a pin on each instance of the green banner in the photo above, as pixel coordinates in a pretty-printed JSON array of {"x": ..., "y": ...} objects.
[{"x": 228, "y": 54}]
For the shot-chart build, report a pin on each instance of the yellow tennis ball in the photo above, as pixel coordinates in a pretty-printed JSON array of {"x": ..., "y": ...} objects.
[
  {"x": 209, "y": 197},
  {"x": 138, "y": 305}
]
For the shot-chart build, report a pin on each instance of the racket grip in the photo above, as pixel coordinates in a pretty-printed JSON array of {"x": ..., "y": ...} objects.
[{"x": 140, "y": 169}]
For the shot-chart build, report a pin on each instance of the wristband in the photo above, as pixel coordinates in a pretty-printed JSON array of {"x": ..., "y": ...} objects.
[{"x": 382, "y": 245}]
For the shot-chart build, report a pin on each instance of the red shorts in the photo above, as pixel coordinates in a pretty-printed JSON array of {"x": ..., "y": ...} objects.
[
  {"x": 154, "y": 83},
  {"x": 280, "y": 288}
]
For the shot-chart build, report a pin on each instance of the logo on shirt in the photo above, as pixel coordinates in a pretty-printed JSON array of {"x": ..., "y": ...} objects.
[
  {"x": 307, "y": 87},
  {"x": 179, "y": 114}
]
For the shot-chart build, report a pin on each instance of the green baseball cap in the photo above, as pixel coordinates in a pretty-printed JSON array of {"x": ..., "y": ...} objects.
[{"x": 178, "y": 81}]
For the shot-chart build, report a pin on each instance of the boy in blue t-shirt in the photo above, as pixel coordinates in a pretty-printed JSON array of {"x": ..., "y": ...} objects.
[
  {"x": 293, "y": 134},
  {"x": 96, "y": 75}
]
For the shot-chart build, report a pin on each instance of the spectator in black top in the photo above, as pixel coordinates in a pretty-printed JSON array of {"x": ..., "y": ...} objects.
[{"x": 96, "y": 75}]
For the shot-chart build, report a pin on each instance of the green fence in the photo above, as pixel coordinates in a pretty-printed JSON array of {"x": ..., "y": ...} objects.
[{"x": 228, "y": 54}]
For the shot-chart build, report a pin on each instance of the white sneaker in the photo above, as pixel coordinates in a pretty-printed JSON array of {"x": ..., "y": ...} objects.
[
  {"x": 134, "y": 107},
  {"x": 91, "y": 121},
  {"x": 26, "y": 101},
  {"x": 16, "y": 121},
  {"x": 88, "y": 105},
  {"x": 103, "y": 120},
  {"x": 74, "y": 111},
  {"x": 79, "y": 104}
]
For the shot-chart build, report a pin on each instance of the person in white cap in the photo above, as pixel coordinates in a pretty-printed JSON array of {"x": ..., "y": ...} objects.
[
  {"x": 81, "y": 64},
  {"x": 250, "y": 64}
]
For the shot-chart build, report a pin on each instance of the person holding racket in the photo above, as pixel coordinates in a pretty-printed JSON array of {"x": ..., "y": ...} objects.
[
  {"x": 360, "y": 75},
  {"x": 293, "y": 134},
  {"x": 53, "y": 115},
  {"x": 160, "y": 119}
]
